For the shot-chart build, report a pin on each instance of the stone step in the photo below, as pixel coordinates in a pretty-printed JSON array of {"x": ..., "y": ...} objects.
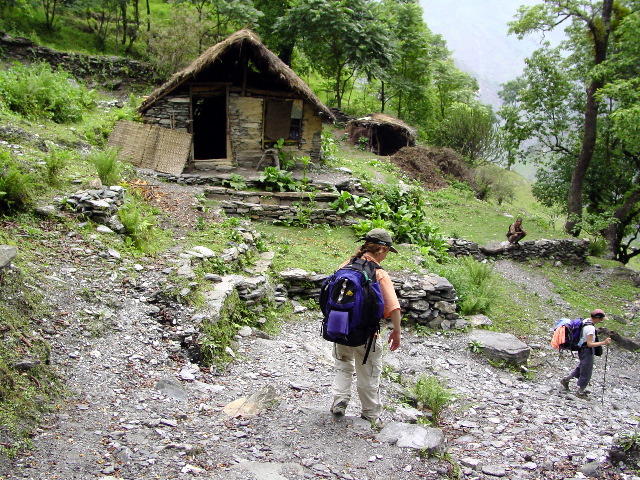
[{"x": 220, "y": 164}]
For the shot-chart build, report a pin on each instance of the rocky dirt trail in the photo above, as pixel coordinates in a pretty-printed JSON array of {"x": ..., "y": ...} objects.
[{"x": 139, "y": 409}]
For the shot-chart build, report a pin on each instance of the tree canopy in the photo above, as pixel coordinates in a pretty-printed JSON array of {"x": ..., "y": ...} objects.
[
  {"x": 343, "y": 37},
  {"x": 573, "y": 112}
]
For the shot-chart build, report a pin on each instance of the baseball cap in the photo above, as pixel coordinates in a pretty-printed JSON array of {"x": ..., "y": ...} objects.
[
  {"x": 597, "y": 313},
  {"x": 381, "y": 237}
]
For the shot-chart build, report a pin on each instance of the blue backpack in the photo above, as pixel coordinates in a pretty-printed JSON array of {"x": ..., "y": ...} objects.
[
  {"x": 352, "y": 305},
  {"x": 572, "y": 331}
]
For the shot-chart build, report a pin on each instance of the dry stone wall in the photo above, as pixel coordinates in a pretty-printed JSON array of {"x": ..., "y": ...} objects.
[
  {"x": 100, "y": 205},
  {"x": 114, "y": 72},
  {"x": 567, "y": 251},
  {"x": 426, "y": 299}
]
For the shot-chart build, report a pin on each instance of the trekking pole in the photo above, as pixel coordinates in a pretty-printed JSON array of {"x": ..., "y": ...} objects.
[{"x": 604, "y": 377}]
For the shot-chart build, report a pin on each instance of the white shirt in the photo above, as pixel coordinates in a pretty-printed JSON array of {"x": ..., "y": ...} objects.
[{"x": 588, "y": 329}]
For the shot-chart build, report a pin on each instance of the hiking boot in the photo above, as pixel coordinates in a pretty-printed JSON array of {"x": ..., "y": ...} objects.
[
  {"x": 339, "y": 408},
  {"x": 581, "y": 393},
  {"x": 565, "y": 382},
  {"x": 375, "y": 422}
]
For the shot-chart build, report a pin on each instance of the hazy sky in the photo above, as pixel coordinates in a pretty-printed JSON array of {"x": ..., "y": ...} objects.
[{"x": 476, "y": 31}]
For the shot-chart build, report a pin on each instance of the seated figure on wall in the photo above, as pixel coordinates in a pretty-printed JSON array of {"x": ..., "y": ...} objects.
[{"x": 516, "y": 232}]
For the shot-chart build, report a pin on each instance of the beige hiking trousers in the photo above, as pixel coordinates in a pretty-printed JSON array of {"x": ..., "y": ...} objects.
[{"x": 349, "y": 360}]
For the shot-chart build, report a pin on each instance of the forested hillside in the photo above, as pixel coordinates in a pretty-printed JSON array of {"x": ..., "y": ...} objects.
[{"x": 573, "y": 112}]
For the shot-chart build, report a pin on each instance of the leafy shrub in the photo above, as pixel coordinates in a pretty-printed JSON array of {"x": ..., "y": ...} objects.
[
  {"x": 430, "y": 394},
  {"x": 364, "y": 226},
  {"x": 400, "y": 211},
  {"x": 474, "y": 284},
  {"x": 491, "y": 181},
  {"x": 350, "y": 203},
  {"x": 235, "y": 181},
  {"x": 17, "y": 187},
  {"x": 55, "y": 163},
  {"x": 329, "y": 147},
  {"x": 287, "y": 161},
  {"x": 139, "y": 222},
  {"x": 107, "y": 165},
  {"x": 274, "y": 180},
  {"x": 37, "y": 92}
]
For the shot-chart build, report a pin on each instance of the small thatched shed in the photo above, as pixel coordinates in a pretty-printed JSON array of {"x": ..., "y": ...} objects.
[
  {"x": 237, "y": 100},
  {"x": 383, "y": 134}
]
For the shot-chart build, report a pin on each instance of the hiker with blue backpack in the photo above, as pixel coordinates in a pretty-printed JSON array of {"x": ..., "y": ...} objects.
[
  {"x": 354, "y": 300},
  {"x": 588, "y": 346}
]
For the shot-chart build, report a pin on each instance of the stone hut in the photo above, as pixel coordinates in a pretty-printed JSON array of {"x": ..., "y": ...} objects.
[
  {"x": 237, "y": 100},
  {"x": 384, "y": 134}
]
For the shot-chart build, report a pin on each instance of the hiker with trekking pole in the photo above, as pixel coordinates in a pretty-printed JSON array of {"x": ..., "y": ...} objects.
[{"x": 588, "y": 346}]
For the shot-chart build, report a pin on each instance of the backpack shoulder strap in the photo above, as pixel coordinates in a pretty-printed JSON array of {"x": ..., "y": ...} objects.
[
  {"x": 370, "y": 268},
  {"x": 367, "y": 267}
]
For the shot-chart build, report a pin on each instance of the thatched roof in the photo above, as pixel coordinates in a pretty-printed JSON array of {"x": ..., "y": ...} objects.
[
  {"x": 383, "y": 119},
  {"x": 247, "y": 42}
]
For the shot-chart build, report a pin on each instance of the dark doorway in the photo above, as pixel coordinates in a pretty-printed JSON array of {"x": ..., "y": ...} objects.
[{"x": 209, "y": 127}]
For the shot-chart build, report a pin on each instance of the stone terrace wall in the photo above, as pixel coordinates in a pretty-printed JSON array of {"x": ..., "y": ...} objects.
[
  {"x": 425, "y": 299},
  {"x": 286, "y": 207},
  {"x": 113, "y": 71},
  {"x": 569, "y": 251}
]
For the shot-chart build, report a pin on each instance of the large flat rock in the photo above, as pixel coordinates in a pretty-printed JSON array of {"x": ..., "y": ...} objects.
[{"x": 501, "y": 346}]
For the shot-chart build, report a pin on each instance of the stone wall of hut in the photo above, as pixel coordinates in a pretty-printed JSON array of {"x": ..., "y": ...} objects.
[
  {"x": 171, "y": 112},
  {"x": 245, "y": 129},
  {"x": 245, "y": 126},
  {"x": 311, "y": 141}
]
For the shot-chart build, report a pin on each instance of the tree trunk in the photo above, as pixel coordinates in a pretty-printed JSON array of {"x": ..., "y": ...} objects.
[
  {"x": 125, "y": 23},
  {"x": 148, "y": 17},
  {"x": 286, "y": 52},
  {"x": 600, "y": 36},
  {"x": 574, "y": 200},
  {"x": 337, "y": 90},
  {"x": 614, "y": 234}
]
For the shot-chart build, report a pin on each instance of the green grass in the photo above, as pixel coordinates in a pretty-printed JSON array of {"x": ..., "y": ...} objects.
[
  {"x": 461, "y": 215},
  {"x": 586, "y": 292},
  {"x": 69, "y": 35},
  {"x": 455, "y": 209},
  {"x": 515, "y": 310},
  {"x": 321, "y": 249}
]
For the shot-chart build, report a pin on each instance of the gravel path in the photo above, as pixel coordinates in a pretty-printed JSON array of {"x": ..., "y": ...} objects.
[{"x": 139, "y": 410}]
